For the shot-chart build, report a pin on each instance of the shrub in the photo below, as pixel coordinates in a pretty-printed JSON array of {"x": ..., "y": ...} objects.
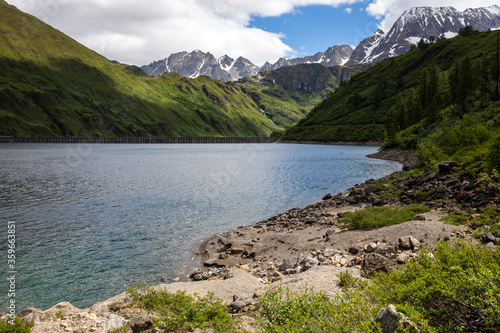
[
  {"x": 310, "y": 311},
  {"x": 377, "y": 217},
  {"x": 457, "y": 289},
  {"x": 19, "y": 326},
  {"x": 181, "y": 312}
]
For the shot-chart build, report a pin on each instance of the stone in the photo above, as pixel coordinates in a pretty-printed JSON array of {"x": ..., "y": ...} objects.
[
  {"x": 114, "y": 322},
  {"x": 140, "y": 324},
  {"x": 488, "y": 237},
  {"x": 447, "y": 167},
  {"x": 408, "y": 243},
  {"x": 237, "y": 306},
  {"x": 402, "y": 258},
  {"x": 242, "y": 297},
  {"x": 353, "y": 250},
  {"x": 375, "y": 262},
  {"x": 327, "y": 197},
  {"x": 491, "y": 245},
  {"x": 28, "y": 311},
  {"x": 32, "y": 317},
  {"x": 236, "y": 250},
  {"x": 387, "y": 251},
  {"x": 391, "y": 321},
  {"x": 65, "y": 308},
  {"x": 371, "y": 247}
]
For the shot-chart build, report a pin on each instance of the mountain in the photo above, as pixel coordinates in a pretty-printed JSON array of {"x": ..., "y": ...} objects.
[
  {"x": 50, "y": 85},
  {"x": 287, "y": 94},
  {"x": 225, "y": 68},
  {"x": 426, "y": 23},
  {"x": 198, "y": 63},
  {"x": 334, "y": 56},
  {"x": 444, "y": 92}
]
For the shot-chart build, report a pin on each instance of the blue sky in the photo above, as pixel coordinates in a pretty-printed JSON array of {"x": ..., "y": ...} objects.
[
  {"x": 139, "y": 32},
  {"x": 313, "y": 29}
]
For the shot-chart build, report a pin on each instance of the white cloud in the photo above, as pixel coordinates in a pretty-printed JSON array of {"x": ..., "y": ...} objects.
[
  {"x": 138, "y": 32},
  {"x": 141, "y": 31},
  {"x": 390, "y": 10}
]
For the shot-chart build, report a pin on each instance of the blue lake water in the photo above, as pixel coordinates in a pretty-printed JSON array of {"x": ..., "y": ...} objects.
[{"x": 91, "y": 219}]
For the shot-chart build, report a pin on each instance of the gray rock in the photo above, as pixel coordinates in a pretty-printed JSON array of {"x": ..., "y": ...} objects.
[
  {"x": 32, "y": 317},
  {"x": 241, "y": 297},
  {"x": 391, "y": 321},
  {"x": 140, "y": 324},
  {"x": 491, "y": 245},
  {"x": 408, "y": 243},
  {"x": 488, "y": 238},
  {"x": 387, "y": 251},
  {"x": 375, "y": 262},
  {"x": 402, "y": 258},
  {"x": 114, "y": 322},
  {"x": 237, "y": 306},
  {"x": 371, "y": 247},
  {"x": 28, "y": 311}
]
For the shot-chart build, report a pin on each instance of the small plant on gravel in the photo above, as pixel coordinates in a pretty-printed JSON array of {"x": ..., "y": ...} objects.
[
  {"x": 180, "y": 312},
  {"x": 347, "y": 280},
  {"x": 18, "y": 326},
  {"x": 377, "y": 217}
]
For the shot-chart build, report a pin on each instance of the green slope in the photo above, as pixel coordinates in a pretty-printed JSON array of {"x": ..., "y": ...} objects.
[
  {"x": 441, "y": 99},
  {"x": 286, "y": 95},
  {"x": 51, "y": 85}
]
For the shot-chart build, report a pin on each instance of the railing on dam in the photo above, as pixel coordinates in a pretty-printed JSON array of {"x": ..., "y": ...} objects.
[{"x": 138, "y": 140}]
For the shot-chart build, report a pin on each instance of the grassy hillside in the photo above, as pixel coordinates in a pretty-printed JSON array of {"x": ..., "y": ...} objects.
[
  {"x": 51, "y": 85},
  {"x": 286, "y": 95},
  {"x": 439, "y": 98}
]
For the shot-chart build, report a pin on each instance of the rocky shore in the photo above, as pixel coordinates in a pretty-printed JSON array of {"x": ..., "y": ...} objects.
[{"x": 304, "y": 246}]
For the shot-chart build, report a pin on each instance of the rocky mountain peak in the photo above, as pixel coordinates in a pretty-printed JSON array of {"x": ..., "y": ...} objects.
[{"x": 422, "y": 22}]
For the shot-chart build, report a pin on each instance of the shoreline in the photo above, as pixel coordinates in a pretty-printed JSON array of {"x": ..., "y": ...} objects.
[
  {"x": 303, "y": 247},
  {"x": 333, "y": 143}
]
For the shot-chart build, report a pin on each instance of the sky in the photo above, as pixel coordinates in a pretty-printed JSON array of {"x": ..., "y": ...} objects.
[{"x": 138, "y": 32}]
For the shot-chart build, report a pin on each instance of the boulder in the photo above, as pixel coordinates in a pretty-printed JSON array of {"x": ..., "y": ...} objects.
[
  {"x": 65, "y": 308},
  {"x": 327, "y": 197},
  {"x": 114, "y": 322},
  {"x": 387, "y": 251},
  {"x": 375, "y": 262},
  {"x": 447, "y": 167},
  {"x": 371, "y": 247},
  {"x": 140, "y": 324},
  {"x": 408, "y": 243},
  {"x": 488, "y": 238},
  {"x": 28, "y": 311},
  {"x": 391, "y": 321}
]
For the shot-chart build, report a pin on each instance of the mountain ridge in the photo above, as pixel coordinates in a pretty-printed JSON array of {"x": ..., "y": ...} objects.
[{"x": 413, "y": 25}]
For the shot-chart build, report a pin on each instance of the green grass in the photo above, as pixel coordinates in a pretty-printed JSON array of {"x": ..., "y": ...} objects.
[
  {"x": 51, "y": 85},
  {"x": 180, "y": 312},
  {"x": 377, "y": 217},
  {"x": 482, "y": 220},
  {"x": 455, "y": 290}
]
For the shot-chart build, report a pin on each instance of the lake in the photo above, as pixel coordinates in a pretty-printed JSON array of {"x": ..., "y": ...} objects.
[{"x": 93, "y": 218}]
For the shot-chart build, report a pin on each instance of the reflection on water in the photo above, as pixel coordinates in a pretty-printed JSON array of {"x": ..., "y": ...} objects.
[{"x": 93, "y": 218}]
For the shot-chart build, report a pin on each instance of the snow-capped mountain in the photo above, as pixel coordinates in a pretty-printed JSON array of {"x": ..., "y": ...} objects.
[
  {"x": 198, "y": 63},
  {"x": 414, "y": 24},
  {"x": 336, "y": 55},
  {"x": 422, "y": 22},
  {"x": 225, "y": 68}
]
